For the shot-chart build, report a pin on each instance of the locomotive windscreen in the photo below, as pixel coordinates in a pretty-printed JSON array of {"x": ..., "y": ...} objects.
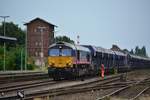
[{"x": 60, "y": 52}]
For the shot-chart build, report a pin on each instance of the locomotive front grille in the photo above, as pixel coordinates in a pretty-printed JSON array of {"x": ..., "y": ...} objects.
[{"x": 60, "y": 62}]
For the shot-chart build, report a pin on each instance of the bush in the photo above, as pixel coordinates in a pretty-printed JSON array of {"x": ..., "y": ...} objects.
[{"x": 31, "y": 66}]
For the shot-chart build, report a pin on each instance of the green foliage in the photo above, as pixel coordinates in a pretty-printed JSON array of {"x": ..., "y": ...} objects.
[
  {"x": 30, "y": 66},
  {"x": 12, "y": 58},
  {"x": 64, "y": 39},
  {"x": 143, "y": 51},
  {"x": 125, "y": 51},
  {"x": 13, "y": 50},
  {"x": 12, "y": 30},
  {"x": 1, "y": 57},
  {"x": 139, "y": 52},
  {"x": 131, "y": 52}
]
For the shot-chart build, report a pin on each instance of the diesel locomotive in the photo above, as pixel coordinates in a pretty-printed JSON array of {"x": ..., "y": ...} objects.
[{"x": 66, "y": 60}]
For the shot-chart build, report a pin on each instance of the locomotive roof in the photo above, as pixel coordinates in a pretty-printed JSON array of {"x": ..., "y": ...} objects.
[
  {"x": 73, "y": 46},
  {"x": 119, "y": 53},
  {"x": 109, "y": 51},
  {"x": 79, "y": 47},
  {"x": 99, "y": 49},
  {"x": 103, "y": 50}
]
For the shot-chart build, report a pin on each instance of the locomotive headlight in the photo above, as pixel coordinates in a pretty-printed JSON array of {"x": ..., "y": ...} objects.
[
  {"x": 69, "y": 63},
  {"x": 51, "y": 63}
]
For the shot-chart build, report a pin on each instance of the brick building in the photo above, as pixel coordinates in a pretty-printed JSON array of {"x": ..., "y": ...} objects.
[{"x": 40, "y": 34}]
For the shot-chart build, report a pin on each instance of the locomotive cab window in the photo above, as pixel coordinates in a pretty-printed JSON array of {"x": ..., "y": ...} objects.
[
  {"x": 66, "y": 52},
  {"x": 54, "y": 52},
  {"x": 60, "y": 52}
]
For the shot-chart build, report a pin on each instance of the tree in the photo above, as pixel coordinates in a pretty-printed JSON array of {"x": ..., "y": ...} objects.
[
  {"x": 63, "y": 39},
  {"x": 136, "y": 50},
  {"x": 143, "y": 51},
  {"x": 131, "y": 52},
  {"x": 13, "y": 51},
  {"x": 125, "y": 51},
  {"x": 12, "y": 30}
]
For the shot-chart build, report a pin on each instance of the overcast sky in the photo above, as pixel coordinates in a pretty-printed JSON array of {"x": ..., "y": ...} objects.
[{"x": 97, "y": 22}]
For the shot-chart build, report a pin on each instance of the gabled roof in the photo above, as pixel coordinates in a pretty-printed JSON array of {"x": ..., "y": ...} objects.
[{"x": 40, "y": 20}]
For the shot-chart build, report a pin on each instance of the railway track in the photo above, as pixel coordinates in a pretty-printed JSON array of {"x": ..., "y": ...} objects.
[
  {"x": 10, "y": 91},
  {"x": 24, "y": 85},
  {"x": 92, "y": 90},
  {"x": 129, "y": 92},
  {"x": 61, "y": 88},
  {"x": 22, "y": 77},
  {"x": 2, "y": 73},
  {"x": 145, "y": 95},
  {"x": 93, "y": 85}
]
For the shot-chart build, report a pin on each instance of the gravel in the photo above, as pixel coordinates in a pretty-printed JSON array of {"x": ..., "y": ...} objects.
[{"x": 136, "y": 75}]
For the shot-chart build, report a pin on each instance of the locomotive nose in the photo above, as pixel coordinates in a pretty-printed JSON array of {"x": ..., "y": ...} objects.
[{"x": 60, "y": 62}]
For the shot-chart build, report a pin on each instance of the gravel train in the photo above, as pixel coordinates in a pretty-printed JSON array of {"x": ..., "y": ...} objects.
[{"x": 67, "y": 60}]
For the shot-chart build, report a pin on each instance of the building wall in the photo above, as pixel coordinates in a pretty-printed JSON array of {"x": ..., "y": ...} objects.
[{"x": 35, "y": 35}]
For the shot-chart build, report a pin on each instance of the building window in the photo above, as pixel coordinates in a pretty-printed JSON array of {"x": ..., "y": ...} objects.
[
  {"x": 40, "y": 43},
  {"x": 36, "y": 53},
  {"x": 36, "y": 43},
  {"x": 39, "y": 30}
]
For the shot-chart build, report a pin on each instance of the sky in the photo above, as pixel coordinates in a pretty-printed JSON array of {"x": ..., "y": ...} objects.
[{"x": 125, "y": 23}]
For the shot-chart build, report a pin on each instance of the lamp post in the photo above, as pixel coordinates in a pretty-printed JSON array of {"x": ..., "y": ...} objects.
[
  {"x": 26, "y": 50},
  {"x": 42, "y": 51},
  {"x": 4, "y": 17},
  {"x": 21, "y": 54}
]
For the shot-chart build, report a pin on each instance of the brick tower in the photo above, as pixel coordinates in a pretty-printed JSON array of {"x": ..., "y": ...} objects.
[{"x": 40, "y": 34}]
